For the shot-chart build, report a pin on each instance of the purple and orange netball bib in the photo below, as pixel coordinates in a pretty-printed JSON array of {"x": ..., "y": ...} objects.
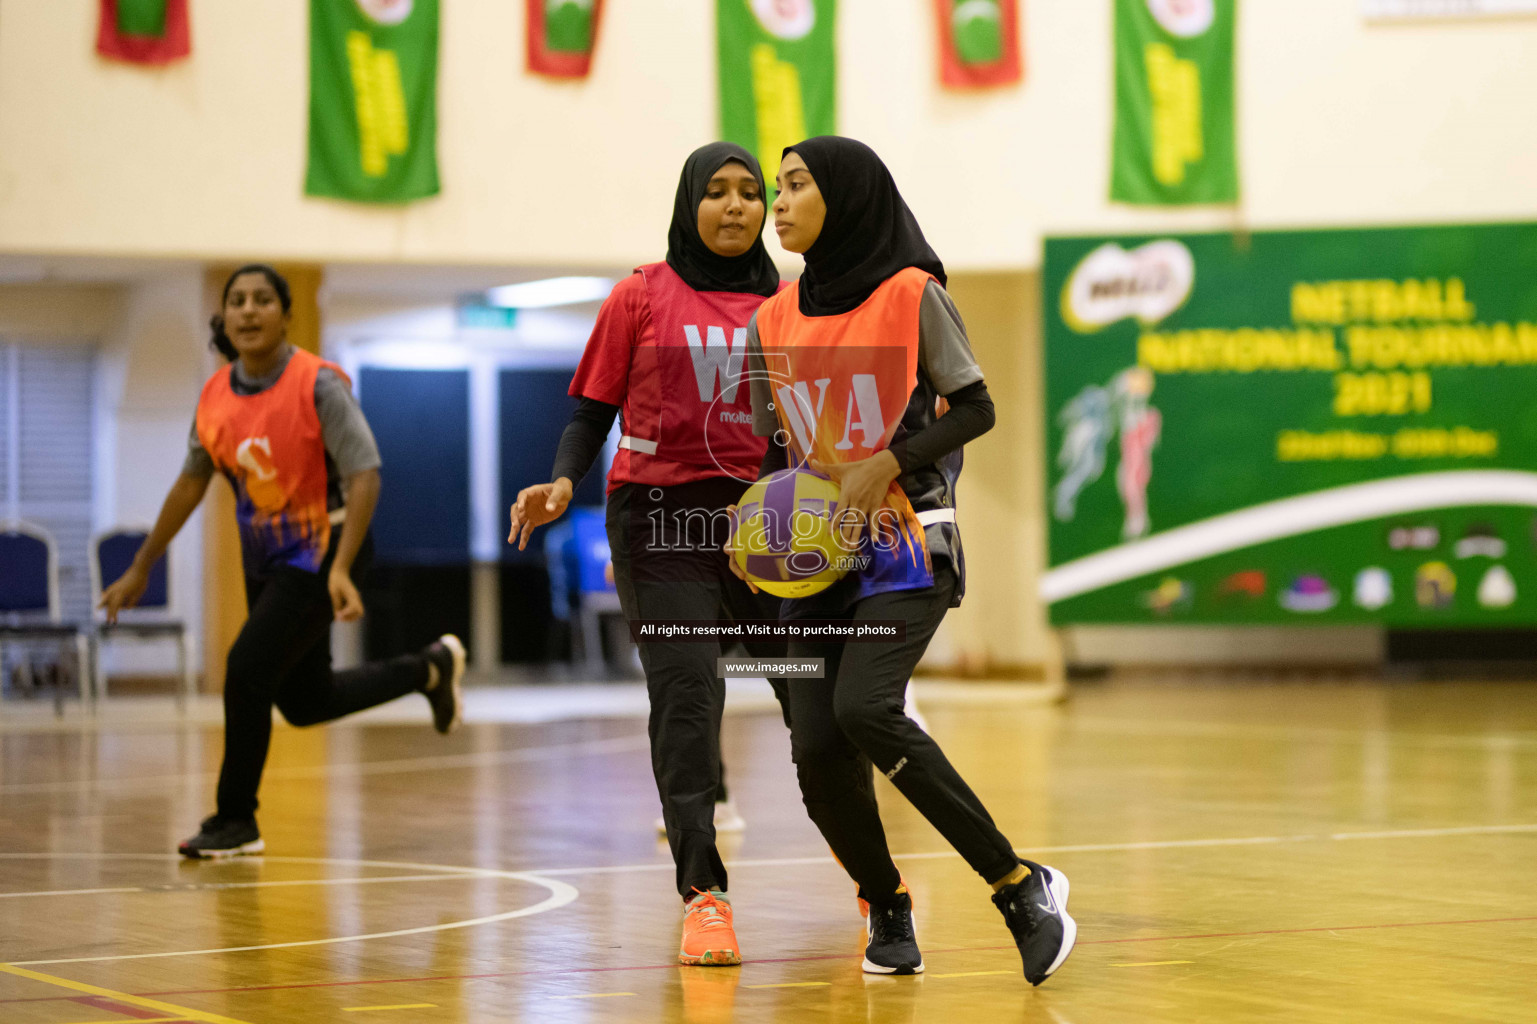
[
  {"x": 841, "y": 385},
  {"x": 270, "y": 447}
]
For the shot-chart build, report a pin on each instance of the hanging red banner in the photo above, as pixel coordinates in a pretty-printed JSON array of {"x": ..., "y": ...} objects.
[
  {"x": 144, "y": 31},
  {"x": 978, "y": 43},
  {"x": 562, "y": 35}
]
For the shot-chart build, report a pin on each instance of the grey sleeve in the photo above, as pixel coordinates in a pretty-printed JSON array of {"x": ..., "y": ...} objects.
[
  {"x": 944, "y": 352},
  {"x": 198, "y": 462},
  {"x": 348, "y": 439},
  {"x": 764, "y": 422}
]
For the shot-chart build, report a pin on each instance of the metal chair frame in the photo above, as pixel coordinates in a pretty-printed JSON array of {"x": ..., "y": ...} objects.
[{"x": 15, "y": 625}]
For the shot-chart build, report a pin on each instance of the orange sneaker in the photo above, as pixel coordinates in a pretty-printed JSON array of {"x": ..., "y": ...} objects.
[{"x": 708, "y": 938}]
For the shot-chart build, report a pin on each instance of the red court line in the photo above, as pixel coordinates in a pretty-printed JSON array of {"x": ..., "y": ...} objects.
[
  {"x": 113, "y": 1006},
  {"x": 792, "y": 959}
]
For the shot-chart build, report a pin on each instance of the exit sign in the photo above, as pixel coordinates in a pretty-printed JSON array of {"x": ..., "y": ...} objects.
[{"x": 479, "y": 315}]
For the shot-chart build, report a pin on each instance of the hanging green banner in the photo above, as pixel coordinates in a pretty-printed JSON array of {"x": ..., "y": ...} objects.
[
  {"x": 373, "y": 100},
  {"x": 1174, "y": 138},
  {"x": 777, "y": 67}
]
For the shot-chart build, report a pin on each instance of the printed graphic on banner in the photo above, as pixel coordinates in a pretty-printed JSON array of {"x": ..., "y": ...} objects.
[
  {"x": 373, "y": 100},
  {"x": 561, "y": 36},
  {"x": 777, "y": 71},
  {"x": 1374, "y": 588},
  {"x": 1416, "y": 10},
  {"x": 1174, "y": 135},
  {"x": 144, "y": 31},
  {"x": 978, "y": 42},
  {"x": 1336, "y": 419}
]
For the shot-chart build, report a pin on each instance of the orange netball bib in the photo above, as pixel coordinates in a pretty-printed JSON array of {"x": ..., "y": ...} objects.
[
  {"x": 841, "y": 385},
  {"x": 269, "y": 446}
]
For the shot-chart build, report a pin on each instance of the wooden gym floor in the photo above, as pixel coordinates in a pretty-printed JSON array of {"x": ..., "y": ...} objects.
[{"x": 1238, "y": 852}]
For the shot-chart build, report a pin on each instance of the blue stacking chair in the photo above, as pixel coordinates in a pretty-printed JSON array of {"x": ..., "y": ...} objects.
[
  {"x": 576, "y": 553},
  {"x": 111, "y": 554},
  {"x": 596, "y": 597},
  {"x": 29, "y": 599}
]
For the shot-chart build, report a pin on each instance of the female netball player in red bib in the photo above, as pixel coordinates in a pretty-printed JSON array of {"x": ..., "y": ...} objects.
[
  {"x": 849, "y": 367},
  {"x": 666, "y": 356},
  {"x": 282, "y": 426}
]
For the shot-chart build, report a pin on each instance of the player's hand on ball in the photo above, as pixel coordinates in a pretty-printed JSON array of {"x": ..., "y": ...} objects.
[
  {"x": 736, "y": 570},
  {"x": 346, "y": 602},
  {"x": 537, "y": 505},
  {"x": 863, "y": 485}
]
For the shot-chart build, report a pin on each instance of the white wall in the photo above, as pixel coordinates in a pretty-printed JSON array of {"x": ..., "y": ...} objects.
[
  {"x": 1341, "y": 123},
  {"x": 150, "y": 362}
]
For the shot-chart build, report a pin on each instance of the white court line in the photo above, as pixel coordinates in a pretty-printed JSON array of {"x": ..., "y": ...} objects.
[
  {"x": 561, "y": 894},
  {"x": 174, "y": 887},
  {"x": 1155, "y": 844},
  {"x": 483, "y": 759},
  {"x": 1238, "y": 731}
]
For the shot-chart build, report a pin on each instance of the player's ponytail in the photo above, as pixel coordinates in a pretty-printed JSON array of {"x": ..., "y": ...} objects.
[{"x": 220, "y": 342}]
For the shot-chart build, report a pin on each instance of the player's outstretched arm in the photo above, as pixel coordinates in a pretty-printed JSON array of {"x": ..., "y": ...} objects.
[
  {"x": 537, "y": 505},
  {"x": 183, "y": 499}
]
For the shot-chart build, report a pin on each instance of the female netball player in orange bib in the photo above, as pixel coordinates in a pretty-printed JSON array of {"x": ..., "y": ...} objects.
[
  {"x": 849, "y": 367},
  {"x": 666, "y": 356},
  {"x": 282, "y": 426}
]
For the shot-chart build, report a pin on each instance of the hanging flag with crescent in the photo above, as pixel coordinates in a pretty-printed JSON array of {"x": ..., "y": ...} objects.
[
  {"x": 561, "y": 36},
  {"x": 978, "y": 43}
]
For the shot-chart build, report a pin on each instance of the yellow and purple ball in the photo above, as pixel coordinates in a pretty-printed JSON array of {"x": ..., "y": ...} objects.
[{"x": 784, "y": 540}]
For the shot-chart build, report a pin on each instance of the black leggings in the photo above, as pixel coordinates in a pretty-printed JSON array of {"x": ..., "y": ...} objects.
[
  {"x": 670, "y": 566},
  {"x": 283, "y": 657},
  {"x": 857, "y": 712}
]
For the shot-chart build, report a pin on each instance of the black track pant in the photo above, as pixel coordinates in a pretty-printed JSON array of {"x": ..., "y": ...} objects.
[
  {"x": 283, "y": 656},
  {"x": 668, "y": 564},
  {"x": 857, "y": 710}
]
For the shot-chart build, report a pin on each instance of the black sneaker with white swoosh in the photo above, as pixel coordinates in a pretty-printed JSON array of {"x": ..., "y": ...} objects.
[
  {"x": 892, "y": 946},
  {"x": 1036, "y": 912}
]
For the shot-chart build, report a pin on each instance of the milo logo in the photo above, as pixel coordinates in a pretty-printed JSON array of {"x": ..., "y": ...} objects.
[
  {"x": 387, "y": 12},
  {"x": 1111, "y": 283},
  {"x": 786, "y": 19},
  {"x": 1183, "y": 18}
]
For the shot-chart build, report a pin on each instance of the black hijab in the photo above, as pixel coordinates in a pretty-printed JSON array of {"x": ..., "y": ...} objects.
[
  {"x": 869, "y": 233},
  {"x": 702, "y": 269}
]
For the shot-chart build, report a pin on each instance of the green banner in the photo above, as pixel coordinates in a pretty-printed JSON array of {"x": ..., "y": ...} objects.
[
  {"x": 777, "y": 67},
  {"x": 1174, "y": 140},
  {"x": 373, "y": 100},
  {"x": 141, "y": 17},
  {"x": 1296, "y": 427}
]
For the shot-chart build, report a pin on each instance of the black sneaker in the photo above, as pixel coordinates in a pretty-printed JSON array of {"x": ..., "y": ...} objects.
[
  {"x": 223, "y": 837},
  {"x": 1036, "y": 912},
  {"x": 447, "y": 695},
  {"x": 892, "y": 947}
]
